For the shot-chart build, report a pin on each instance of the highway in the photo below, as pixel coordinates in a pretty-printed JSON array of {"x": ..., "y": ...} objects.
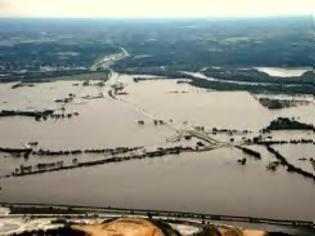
[{"x": 105, "y": 212}]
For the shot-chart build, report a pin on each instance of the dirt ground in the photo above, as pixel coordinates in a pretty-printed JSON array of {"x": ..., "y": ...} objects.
[
  {"x": 227, "y": 231},
  {"x": 123, "y": 226},
  {"x": 143, "y": 227}
]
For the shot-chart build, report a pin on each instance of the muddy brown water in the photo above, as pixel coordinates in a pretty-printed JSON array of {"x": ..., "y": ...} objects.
[{"x": 210, "y": 182}]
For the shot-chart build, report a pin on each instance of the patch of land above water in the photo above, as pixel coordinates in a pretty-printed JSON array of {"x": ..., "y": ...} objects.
[
  {"x": 280, "y": 103},
  {"x": 283, "y": 123},
  {"x": 235, "y": 79},
  {"x": 123, "y": 226}
]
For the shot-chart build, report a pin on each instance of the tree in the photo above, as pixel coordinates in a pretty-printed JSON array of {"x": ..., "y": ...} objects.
[{"x": 75, "y": 161}]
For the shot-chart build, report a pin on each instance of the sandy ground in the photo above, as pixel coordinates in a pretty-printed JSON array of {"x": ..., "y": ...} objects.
[
  {"x": 123, "y": 226},
  {"x": 252, "y": 232},
  {"x": 225, "y": 231},
  {"x": 230, "y": 231}
]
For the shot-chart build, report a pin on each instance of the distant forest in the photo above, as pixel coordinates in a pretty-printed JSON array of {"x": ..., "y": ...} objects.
[
  {"x": 166, "y": 47},
  {"x": 152, "y": 43}
]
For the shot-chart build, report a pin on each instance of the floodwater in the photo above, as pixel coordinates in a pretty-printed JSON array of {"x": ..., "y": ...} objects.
[
  {"x": 203, "y": 182},
  {"x": 101, "y": 123},
  {"x": 182, "y": 102},
  {"x": 296, "y": 153},
  {"x": 204, "y": 77},
  {"x": 283, "y": 72}
]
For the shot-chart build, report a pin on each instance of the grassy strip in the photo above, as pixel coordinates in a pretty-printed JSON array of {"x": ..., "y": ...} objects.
[{"x": 44, "y": 210}]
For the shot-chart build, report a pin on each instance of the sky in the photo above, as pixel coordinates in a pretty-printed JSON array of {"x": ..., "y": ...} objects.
[{"x": 154, "y": 8}]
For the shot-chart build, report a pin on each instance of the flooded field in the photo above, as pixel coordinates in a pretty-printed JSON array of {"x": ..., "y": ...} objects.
[
  {"x": 155, "y": 113},
  {"x": 183, "y": 102},
  {"x": 102, "y": 122},
  {"x": 299, "y": 155},
  {"x": 207, "y": 182}
]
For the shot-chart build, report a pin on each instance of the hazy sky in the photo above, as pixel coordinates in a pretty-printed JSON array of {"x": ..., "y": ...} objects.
[{"x": 153, "y": 8}]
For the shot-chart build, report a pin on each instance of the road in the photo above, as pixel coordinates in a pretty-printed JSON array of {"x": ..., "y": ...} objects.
[{"x": 105, "y": 212}]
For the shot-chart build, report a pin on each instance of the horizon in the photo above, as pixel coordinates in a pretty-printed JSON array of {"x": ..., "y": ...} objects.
[
  {"x": 144, "y": 9},
  {"x": 180, "y": 18}
]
